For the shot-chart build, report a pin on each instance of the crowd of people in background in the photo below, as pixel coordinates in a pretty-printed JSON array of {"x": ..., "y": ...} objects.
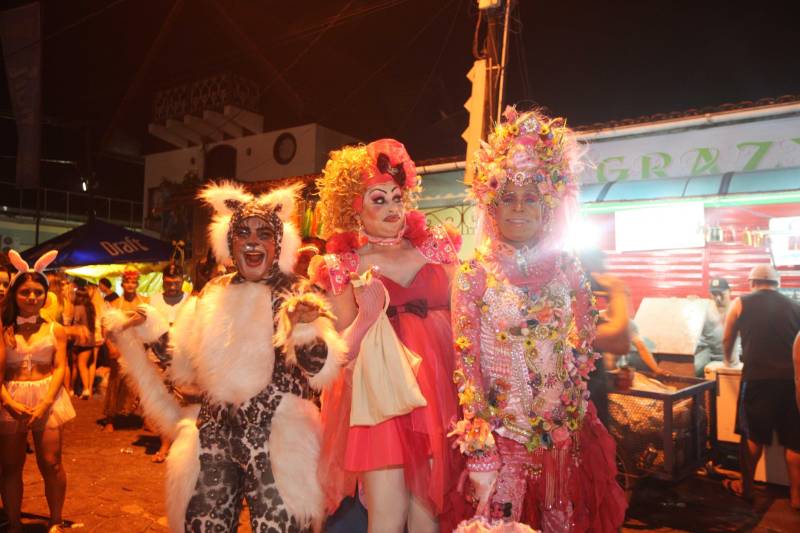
[{"x": 56, "y": 351}]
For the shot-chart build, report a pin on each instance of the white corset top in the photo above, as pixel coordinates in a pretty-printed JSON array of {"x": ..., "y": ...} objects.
[{"x": 40, "y": 351}]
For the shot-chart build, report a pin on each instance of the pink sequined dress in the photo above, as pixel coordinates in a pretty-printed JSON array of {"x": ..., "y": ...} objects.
[
  {"x": 524, "y": 328},
  {"x": 418, "y": 442}
]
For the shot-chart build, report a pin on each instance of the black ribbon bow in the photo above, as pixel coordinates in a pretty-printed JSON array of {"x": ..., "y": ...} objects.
[{"x": 417, "y": 307}]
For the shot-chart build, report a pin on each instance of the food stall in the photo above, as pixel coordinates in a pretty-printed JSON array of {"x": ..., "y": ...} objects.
[
  {"x": 664, "y": 426},
  {"x": 674, "y": 245},
  {"x": 676, "y": 201},
  {"x": 771, "y": 468}
]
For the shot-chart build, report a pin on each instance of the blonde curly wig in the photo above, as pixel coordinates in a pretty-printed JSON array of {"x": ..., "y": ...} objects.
[{"x": 341, "y": 182}]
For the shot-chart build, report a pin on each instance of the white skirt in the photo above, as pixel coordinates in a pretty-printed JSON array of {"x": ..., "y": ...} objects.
[{"x": 30, "y": 393}]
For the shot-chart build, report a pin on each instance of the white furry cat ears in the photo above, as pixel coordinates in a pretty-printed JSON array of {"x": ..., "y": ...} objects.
[
  {"x": 22, "y": 266},
  {"x": 228, "y": 199}
]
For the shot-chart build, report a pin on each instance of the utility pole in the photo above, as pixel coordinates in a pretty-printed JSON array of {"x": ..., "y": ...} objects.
[
  {"x": 503, "y": 61},
  {"x": 487, "y": 75}
]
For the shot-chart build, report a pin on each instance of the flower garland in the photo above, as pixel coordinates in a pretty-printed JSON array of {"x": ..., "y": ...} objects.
[{"x": 541, "y": 318}]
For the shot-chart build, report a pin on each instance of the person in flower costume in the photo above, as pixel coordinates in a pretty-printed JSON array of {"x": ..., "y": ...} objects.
[
  {"x": 406, "y": 464},
  {"x": 523, "y": 323}
]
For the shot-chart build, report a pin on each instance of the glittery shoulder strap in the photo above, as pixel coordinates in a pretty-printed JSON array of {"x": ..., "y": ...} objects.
[
  {"x": 440, "y": 246},
  {"x": 332, "y": 271}
]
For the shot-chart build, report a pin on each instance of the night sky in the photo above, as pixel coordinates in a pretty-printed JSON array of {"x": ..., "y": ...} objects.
[{"x": 393, "y": 67}]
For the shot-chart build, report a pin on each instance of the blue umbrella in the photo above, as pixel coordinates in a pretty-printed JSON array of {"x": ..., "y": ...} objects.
[{"x": 101, "y": 243}]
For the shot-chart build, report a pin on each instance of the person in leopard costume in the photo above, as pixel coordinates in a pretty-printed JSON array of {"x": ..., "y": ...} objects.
[{"x": 257, "y": 343}]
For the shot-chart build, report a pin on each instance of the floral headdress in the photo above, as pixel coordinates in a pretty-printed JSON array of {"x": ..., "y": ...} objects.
[
  {"x": 130, "y": 274},
  {"x": 529, "y": 147},
  {"x": 351, "y": 170}
]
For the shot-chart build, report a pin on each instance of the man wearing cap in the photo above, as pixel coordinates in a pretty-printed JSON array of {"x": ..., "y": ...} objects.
[
  {"x": 721, "y": 293},
  {"x": 709, "y": 347},
  {"x": 768, "y": 322}
]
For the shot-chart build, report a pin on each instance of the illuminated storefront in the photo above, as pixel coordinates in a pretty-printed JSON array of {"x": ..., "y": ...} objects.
[{"x": 675, "y": 203}]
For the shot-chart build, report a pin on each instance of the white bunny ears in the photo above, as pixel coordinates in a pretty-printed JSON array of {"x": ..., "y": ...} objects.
[{"x": 22, "y": 266}]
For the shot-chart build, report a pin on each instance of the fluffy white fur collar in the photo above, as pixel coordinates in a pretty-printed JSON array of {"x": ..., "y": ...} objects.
[{"x": 228, "y": 341}]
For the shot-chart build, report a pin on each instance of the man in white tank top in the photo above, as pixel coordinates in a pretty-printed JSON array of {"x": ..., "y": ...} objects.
[
  {"x": 171, "y": 299},
  {"x": 167, "y": 303}
]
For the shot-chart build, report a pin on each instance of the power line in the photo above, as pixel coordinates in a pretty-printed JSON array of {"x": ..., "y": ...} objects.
[
  {"x": 331, "y": 24},
  {"x": 388, "y": 62},
  {"x": 297, "y": 59},
  {"x": 312, "y": 30},
  {"x": 68, "y": 27},
  {"x": 138, "y": 77},
  {"x": 432, "y": 71},
  {"x": 373, "y": 7},
  {"x": 522, "y": 58}
]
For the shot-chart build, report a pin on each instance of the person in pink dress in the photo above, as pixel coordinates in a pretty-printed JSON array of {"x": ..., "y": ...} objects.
[
  {"x": 406, "y": 464},
  {"x": 524, "y": 323}
]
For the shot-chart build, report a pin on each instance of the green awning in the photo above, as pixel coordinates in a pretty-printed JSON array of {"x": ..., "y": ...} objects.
[{"x": 442, "y": 189}]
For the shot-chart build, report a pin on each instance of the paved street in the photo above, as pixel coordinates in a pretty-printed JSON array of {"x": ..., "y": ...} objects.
[
  {"x": 701, "y": 504},
  {"x": 108, "y": 490},
  {"x": 113, "y": 491}
]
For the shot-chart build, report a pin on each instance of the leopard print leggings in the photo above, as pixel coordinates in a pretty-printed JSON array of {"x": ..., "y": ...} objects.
[{"x": 235, "y": 464}]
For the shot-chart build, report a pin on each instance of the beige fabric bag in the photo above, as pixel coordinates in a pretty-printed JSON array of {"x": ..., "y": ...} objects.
[{"x": 384, "y": 376}]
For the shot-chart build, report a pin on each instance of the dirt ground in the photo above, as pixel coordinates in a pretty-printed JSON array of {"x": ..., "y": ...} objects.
[
  {"x": 111, "y": 490},
  {"x": 701, "y": 504},
  {"x": 108, "y": 489}
]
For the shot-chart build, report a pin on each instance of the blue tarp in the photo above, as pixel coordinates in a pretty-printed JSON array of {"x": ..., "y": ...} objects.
[{"x": 101, "y": 243}]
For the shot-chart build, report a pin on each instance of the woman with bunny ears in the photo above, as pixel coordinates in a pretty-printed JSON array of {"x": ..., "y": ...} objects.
[{"x": 33, "y": 356}]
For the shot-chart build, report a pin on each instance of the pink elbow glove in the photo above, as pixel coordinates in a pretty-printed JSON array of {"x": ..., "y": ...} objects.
[{"x": 370, "y": 298}]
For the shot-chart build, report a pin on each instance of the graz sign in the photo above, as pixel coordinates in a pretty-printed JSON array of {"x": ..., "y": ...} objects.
[{"x": 761, "y": 145}]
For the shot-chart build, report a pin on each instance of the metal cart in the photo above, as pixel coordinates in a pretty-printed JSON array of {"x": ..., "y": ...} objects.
[{"x": 667, "y": 435}]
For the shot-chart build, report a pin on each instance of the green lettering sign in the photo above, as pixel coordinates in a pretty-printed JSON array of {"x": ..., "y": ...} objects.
[
  {"x": 603, "y": 170},
  {"x": 705, "y": 162},
  {"x": 761, "y": 149},
  {"x": 655, "y": 165}
]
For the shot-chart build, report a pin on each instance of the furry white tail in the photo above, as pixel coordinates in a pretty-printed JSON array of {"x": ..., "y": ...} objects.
[
  {"x": 160, "y": 407},
  {"x": 294, "y": 447},
  {"x": 183, "y": 469}
]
